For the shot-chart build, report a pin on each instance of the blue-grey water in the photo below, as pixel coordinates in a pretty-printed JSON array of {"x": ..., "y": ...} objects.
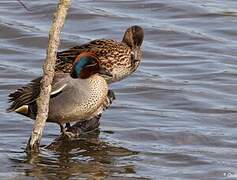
[{"x": 174, "y": 118}]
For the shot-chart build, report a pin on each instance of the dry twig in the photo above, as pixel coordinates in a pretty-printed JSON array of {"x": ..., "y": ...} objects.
[{"x": 48, "y": 69}]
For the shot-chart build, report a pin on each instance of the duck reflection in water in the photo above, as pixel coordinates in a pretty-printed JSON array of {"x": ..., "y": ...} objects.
[{"x": 84, "y": 157}]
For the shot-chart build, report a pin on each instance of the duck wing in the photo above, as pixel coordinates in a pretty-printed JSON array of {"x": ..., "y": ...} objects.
[{"x": 29, "y": 93}]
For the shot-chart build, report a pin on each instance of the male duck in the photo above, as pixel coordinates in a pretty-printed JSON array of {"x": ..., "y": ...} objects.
[
  {"x": 78, "y": 95},
  {"x": 119, "y": 58}
]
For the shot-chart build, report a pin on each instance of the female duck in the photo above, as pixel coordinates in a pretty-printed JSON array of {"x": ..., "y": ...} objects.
[
  {"x": 120, "y": 58},
  {"x": 76, "y": 96}
]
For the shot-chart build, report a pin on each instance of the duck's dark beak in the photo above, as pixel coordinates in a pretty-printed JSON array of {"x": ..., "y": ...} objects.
[{"x": 105, "y": 72}]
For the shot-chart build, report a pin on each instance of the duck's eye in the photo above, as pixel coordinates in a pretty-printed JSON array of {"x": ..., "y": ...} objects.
[{"x": 132, "y": 55}]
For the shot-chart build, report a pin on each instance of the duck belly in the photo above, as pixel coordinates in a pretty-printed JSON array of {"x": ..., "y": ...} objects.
[{"x": 76, "y": 104}]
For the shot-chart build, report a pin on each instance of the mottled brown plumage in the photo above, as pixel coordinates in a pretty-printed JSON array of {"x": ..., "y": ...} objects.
[{"x": 119, "y": 58}]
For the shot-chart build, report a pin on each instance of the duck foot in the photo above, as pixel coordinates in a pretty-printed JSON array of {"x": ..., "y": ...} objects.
[
  {"x": 68, "y": 135},
  {"x": 65, "y": 134}
]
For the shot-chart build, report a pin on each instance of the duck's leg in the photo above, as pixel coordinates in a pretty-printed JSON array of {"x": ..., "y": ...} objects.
[
  {"x": 65, "y": 132},
  {"x": 62, "y": 128},
  {"x": 67, "y": 125}
]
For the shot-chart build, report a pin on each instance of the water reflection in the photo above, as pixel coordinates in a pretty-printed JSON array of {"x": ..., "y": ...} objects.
[{"x": 87, "y": 157}]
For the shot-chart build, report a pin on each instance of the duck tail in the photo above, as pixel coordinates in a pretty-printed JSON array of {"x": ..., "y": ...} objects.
[
  {"x": 22, "y": 97},
  {"x": 12, "y": 97}
]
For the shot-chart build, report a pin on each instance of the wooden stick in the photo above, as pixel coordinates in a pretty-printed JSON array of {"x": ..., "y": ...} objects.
[{"x": 48, "y": 70}]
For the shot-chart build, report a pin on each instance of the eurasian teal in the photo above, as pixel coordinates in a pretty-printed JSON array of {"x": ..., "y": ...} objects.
[
  {"x": 119, "y": 58},
  {"x": 75, "y": 96}
]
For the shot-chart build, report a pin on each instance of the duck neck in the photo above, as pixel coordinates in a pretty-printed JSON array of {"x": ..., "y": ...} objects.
[{"x": 95, "y": 80}]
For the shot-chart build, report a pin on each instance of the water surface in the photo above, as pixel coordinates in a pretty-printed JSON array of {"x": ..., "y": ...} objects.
[{"x": 175, "y": 118}]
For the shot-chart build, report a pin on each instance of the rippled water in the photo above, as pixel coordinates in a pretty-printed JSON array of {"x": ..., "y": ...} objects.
[{"x": 175, "y": 118}]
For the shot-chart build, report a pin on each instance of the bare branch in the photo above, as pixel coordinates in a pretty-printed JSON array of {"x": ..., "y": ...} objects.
[{"x": 48, "y": 69}]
